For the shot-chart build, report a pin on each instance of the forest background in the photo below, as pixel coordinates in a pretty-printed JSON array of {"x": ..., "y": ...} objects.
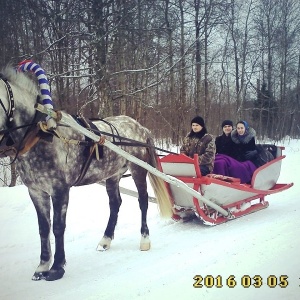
[{"x": 162, "y": 62}]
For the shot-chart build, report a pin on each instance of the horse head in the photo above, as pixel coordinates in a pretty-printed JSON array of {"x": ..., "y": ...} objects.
[{"x": 18, "y": 94}]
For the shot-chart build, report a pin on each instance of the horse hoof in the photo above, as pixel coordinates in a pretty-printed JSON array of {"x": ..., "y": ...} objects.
[
  {"x": 104, "y": 244},
  {"x": 145, "y": 243},
  {"x": 39, "y": 276},
  {"x": 145, "y": 246},
  {"x": 102, "y": 248},
  {"x": 55, "y": 274}
]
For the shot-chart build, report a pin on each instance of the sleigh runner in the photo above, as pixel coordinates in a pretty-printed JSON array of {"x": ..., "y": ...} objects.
[{"x": 225, "y": 192}]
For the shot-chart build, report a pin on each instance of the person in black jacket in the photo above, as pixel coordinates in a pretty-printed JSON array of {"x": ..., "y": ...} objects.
[
  {"x": 233, "y": 148},
  {"x": 224, "y": 143},
  {"x": 244, "y": 138}
]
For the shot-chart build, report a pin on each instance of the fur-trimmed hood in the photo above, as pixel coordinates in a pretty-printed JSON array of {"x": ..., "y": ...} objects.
[{"x": 249, "y": 134}]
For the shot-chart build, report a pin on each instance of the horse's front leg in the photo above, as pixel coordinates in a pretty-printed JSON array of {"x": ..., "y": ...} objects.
[
  {"x": 115, "y": 201},
  {"x": 41, "y": 201},
  {"x": 60, "y": 200}
]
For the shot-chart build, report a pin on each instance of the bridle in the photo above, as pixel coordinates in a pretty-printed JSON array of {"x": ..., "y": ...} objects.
[
  {"x": 11, "y": 102},
  {"x": 7, "y": 143},
  {"x": 9, "y": 112}
]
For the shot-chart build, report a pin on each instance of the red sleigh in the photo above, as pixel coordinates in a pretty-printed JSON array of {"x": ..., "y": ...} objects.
[{"x": 222, "y": 198}]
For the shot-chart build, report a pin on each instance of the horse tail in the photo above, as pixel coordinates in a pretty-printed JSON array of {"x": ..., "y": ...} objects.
[{"x": 159, "y": 186}]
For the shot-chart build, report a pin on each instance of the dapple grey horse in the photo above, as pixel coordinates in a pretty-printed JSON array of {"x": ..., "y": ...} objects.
[{"x": 49, "y": 165}]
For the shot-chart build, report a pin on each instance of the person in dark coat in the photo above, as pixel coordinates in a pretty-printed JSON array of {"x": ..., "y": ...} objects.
[
  {"x": 247, "y": 149},
  {"x": 224, "y": 143},
  {"x": 244, "y": 138},
  {"x": 231, "y": 159},
  {"x": 198, "y": 141}
]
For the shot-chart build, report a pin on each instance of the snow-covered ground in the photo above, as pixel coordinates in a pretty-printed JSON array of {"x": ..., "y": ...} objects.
[{"x": 264, "y": 244}]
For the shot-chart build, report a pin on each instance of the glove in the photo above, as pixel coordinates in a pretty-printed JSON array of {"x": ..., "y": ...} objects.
[{"x": 250, "y": 154}]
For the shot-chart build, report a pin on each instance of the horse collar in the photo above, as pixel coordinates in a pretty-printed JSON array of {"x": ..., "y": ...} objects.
[{"x": 11, "y": 107}]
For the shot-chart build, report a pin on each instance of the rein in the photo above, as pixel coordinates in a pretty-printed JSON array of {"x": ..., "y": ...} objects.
[
  {"x": 29, "y": 139},
  {"x": 126, "y": 141},
  {"x": 8, "y": 131},
  {"x": 130, "y": 142}
]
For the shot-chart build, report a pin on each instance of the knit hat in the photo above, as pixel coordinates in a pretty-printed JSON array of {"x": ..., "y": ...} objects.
[
  {"x": 227, "y": 122},
  {"x": 199, "y": 120}
]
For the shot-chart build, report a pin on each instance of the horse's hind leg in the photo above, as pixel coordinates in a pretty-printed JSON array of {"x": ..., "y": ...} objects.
[
  {"x": 115, "y": 201},
  {"x": 139, "y": 176},
  {"x": 112, "y": 187}
]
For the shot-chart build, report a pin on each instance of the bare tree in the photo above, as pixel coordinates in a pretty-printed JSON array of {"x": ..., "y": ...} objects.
[{"x": 161, "y": 62}]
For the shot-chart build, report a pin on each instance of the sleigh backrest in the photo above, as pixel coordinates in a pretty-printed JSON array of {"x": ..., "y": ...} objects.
[
  {"x": 276, "y": 151},
  {"x": 185, "y": 169},
  {"x": 266, "y": 176}
]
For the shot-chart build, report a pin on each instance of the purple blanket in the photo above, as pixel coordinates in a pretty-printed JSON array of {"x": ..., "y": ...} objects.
[{"x": 228, "y": 166}]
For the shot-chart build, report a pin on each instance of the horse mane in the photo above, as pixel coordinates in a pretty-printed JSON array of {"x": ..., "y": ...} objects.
[{"x": 20, "y": 80}]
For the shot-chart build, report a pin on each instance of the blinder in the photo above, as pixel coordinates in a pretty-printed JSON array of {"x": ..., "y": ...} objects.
[
  {"x": 11, "y": 102},
  {"x": 6, "y": 140}
]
